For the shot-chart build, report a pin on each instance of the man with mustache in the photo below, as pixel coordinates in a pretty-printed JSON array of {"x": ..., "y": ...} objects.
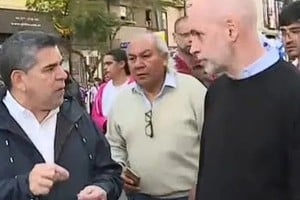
[
  {"x": 154, "y": 127},
  {"x": 182, "y": 36},
  {"x": 185, "y": 61}
]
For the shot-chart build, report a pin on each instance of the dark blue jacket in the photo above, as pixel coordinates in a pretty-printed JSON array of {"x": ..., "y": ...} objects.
[{"x": 79, "y": 148}]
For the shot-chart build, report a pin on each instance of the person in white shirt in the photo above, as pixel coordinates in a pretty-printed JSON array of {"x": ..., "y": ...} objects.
[{"x": 116, "y": 67}]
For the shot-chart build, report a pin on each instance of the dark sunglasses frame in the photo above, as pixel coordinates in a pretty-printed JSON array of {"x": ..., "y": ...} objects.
[{"x": 149, "y": 125}]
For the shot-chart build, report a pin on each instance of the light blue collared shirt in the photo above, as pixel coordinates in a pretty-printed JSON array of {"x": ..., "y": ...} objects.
[
  {"x": 170, "y": 82},
  {"x": 267, "y": 60}
]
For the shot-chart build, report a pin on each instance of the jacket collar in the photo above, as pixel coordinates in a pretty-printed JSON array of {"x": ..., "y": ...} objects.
[
  {"x": 8, "y": 122},
  {"x": 68, "y": 116},
  {"x": 67, "y": 119}
]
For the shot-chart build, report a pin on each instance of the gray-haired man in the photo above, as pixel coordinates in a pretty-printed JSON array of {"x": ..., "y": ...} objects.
[
  {"x": 154, "y": 127},
  {"x": 49, "y": 147}
]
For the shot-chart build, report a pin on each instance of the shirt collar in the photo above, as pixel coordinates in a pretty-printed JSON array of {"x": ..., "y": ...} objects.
[
  {"x": 296, "y": 63},
  {"x": 170, "y": 81},
  {"x": 16, "y": 109},
  {"x": 12, "y": 105},
  {"x": 267, "y": 60},
  {"x": 181, "y": 65}
]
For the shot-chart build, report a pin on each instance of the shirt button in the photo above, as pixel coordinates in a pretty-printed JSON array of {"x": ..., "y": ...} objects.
[
  {"x": 84, "y": 140},
  {"x": 6, "y": 143},
  {"x": 91, "y": 156},
  {"x": 76, "y": 125},
  {"x": 11, "y": 159}
]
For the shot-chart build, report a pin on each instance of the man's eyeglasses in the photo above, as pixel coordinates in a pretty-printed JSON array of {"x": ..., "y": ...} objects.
[
  {"x": 290, "y": 31},
  {"x": 149, "y": 126}
]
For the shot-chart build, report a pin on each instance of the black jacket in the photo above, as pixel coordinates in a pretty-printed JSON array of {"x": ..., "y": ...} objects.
[
  {"x": 73, "y": 90},
  {"x": 79, "y": 148}
]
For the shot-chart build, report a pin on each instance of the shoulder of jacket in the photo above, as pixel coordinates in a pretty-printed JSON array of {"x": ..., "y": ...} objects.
[{"x": 71, "y": 107}]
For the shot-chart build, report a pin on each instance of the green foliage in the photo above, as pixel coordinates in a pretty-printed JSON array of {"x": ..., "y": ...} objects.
[
  {"x": 95, "y": 25},
  {"x": 154, "y": 4},
  {"x": 88, "y": 20},
  {"x": 47, "y": 6},
  {"x": 85, "y": 20}
]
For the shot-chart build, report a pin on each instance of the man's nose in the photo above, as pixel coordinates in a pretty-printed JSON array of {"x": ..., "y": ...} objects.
[
  {"x": 61, "y": 73},
  {"x": 139, "y": 62},
  {"x": 105, "y": 68},
  {"x": 195, "y": 49},
  {"x": 190, "y": 38}
]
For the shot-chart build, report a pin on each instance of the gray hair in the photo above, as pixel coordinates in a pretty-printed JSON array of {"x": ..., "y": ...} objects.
[
  {"x": 18, "y": 52},
  {"x": 162, "y": 47}
]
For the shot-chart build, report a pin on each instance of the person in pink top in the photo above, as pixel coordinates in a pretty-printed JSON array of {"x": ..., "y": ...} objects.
[{"x": 116, "y": 67}]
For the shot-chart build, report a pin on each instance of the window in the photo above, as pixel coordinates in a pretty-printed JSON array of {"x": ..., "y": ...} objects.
[
  {"x": 164, "y": 20},
  {"x": 126, "y": 14},
  {"x": 148, "y": 18},
  {"x": 271, "y": 10}
]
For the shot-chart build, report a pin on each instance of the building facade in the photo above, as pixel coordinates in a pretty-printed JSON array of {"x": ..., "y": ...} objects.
[
  {"x": 15, "y": 17},
  {"x": 141, "y": 20},
  {"x": 268, "y": 15},
  {"x": 146, "y": 19},
  {"x": 136, "y": 20},
  {"x": 13, "y": 4}
]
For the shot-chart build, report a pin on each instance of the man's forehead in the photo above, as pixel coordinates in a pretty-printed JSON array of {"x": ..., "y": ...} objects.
[
  {"x": 196, "y": 23},
  {"x": 139, "y": 50},
  {"x": 49, "y": 54},
  {"x": 182, "y": 23},
  {"x": 199, "y": 4},
  {"x": 49, "y": 49},
  {"x": 198, "y": 11},
  {"x": 140, "y": 45}
]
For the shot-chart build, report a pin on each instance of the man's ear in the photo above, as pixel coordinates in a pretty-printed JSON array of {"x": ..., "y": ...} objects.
[
  {"x": 122, "y": 64},
  {"x": 165, "y": 57},
  {"x": 17, "y": 78},
  {"x": 232, "y": 29},
  {"x": 174, "y": 37}
]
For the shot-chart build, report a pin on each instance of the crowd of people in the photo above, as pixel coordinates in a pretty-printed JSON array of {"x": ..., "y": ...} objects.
[{"x": 218, "y": 120}]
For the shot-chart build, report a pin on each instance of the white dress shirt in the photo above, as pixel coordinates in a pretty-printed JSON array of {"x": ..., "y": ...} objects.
[
  {"x": 41, "y": 134},
  {"x": 296, "y": 63},
  {"x": 110, "y": 93}
]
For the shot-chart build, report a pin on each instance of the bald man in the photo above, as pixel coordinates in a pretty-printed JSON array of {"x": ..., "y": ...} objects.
[{"x": 250, "y": 147}]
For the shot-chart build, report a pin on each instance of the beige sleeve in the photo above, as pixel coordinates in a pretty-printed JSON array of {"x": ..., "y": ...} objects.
[
  {"x": 198, "y": 98},
  {"x": 115, "y": 139}
]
